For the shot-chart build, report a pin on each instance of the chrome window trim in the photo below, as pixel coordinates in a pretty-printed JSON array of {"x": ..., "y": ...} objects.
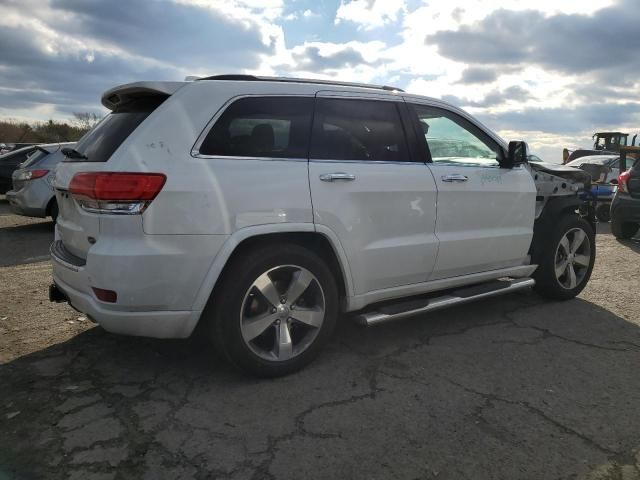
[
  {"x": 195, "y": 150},
  {"x": 389, "y": 162},
  {"x": 231, "y": 157}
]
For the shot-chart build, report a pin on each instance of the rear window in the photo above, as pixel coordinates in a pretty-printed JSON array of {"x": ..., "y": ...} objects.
[
  {"x": 100, "y": 142},
  {"x": 34, "y": 158},
  {"x": 268, "y": 127}
]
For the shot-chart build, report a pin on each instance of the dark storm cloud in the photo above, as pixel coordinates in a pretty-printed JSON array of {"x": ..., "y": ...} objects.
[
  {"x": 167, "y": 31},
  {"x": 61, "y": 79},
  {"x": 590, "y": 117},
  {"x": 478, "y": 75},
  {"x": 173, "y": 38},
  {"x": 311, "y": 59},
  {"x": 569, "y": 43},
  {"x": 493, "y": 99}
]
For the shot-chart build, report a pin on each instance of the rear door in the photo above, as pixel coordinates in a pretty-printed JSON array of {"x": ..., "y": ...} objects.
[
  {"x": 485, "y": 213},
  {"x": 370, "y": 192}
]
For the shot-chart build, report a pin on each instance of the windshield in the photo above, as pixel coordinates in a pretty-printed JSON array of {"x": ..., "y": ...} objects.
[{"x": 597, "y": 160}]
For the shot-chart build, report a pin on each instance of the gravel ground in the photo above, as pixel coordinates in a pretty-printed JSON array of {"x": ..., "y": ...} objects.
[{"x": 508, "y": 388}]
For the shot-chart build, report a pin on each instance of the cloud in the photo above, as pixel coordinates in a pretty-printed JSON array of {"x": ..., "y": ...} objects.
[
  {"x": 478, "y": 75},
  {"x": 311, "y": 59},
  {"x": 566, "y": 121},
  {"x": 165, "y": 31},
  {"x": 568, "y": 43},
  {"x": 370, "y": 14},
  {"x": 494, "y": 99}
]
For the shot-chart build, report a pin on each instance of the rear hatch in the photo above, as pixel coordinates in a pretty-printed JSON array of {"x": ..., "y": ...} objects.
[
  {"x": 32, "y": 160},
  {"x": 77, "y": 229}
]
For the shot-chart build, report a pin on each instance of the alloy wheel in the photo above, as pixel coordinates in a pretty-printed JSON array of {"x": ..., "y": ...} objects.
[
  {"x": 282, "y": 313},
  {"x": 572, "y": 259}
]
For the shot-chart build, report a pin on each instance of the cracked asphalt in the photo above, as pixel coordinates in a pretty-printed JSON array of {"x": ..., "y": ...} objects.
[{"x": 514, "y": 387}]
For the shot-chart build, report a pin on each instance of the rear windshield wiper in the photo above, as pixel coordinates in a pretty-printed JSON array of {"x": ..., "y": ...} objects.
[{"x": 73, "y": 153}]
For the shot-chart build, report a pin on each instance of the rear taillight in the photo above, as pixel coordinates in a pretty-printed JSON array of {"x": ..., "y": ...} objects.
[
  {"x": 116, "y": 192},
  {"x": 32, "y": 174},
  {"x": 623, "y": 178}
]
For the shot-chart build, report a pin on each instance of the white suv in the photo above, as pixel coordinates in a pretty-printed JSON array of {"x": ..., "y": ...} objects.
[{"x": 258, "y": 209}]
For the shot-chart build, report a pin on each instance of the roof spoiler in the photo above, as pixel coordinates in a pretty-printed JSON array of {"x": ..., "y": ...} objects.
[{"x": 122, "y": 94}]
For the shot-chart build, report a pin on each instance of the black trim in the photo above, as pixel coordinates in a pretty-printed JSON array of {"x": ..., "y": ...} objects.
[
  {"x": 418, "y": 149},
  {"x": 58, "y": 250}
]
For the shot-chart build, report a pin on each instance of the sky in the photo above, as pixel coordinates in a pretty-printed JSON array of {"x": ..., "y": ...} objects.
[{"x": 551, "y": 72}]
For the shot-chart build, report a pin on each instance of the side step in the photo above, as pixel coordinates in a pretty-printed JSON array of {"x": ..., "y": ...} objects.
[{"x": 409, "y": 308}]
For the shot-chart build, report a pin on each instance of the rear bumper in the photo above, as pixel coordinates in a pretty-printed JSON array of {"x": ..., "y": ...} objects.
[
  {"x": 156, "y": 279},
  {"x": 158, "y": 324},
  {"x": 27, "y": 202}
]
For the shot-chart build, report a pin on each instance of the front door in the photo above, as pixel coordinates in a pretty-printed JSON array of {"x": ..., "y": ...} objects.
[
  {"x": 485, "y": 213},
  {"x": 366, "y": 188}
]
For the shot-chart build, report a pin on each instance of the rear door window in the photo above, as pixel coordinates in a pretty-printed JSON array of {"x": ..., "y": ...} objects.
[
  {"x": 267, "y": 127},
  {"x": 354, "y": 129},
  {"x": 100, "y": 142}
]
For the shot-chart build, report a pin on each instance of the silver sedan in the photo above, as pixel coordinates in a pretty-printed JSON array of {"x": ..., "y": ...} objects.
[{"x": 33, "y": 194}]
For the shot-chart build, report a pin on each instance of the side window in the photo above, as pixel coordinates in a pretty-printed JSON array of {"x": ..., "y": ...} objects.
[
  {"x": 262, "y": 127},
  {"x": 349, "y": 129},
  {"x": 452, "y": 139}
]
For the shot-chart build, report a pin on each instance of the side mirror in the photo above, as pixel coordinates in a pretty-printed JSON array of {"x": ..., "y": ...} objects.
[{"x": 518, "y": 154}]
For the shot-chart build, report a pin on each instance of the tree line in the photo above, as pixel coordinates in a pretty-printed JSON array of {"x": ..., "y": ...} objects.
[{"x": 50, "y": 131}]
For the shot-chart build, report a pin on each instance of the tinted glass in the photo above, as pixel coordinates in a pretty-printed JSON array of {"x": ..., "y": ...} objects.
[
  {"x": 34, "y": 158},
  {"x": 452, "y": 139},
  {"x": 99, "y": 143},
  {"x": 347, "y": 129},
  {"x": 262, "y": 127}
]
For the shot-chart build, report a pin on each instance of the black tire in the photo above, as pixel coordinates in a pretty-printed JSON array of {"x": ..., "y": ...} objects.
[
  {"x": 623, "y": 230},
  {"x": 53, "y": 211},
  {"x": 546, "y": 253},
  {"x": 603, "y": 212},
  {"x": 229, "y": 298}
]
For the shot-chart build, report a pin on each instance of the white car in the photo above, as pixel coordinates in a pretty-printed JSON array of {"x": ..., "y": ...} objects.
[
  {"x": 258, "y": 209},
  {"x": 610, "y": 164}
]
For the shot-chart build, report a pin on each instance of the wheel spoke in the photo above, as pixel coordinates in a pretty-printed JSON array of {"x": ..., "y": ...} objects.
[
  {"x": 564, "y": 243},
  {"x": 252, "y": 328},
  {"x": 582, "y": 260},
  {"x": 561, "y": 268},
  {"x": 299, "y": 283},
  {"x": 571, "y": 276},
  {"x": 268, "y": 290},
  {"x": 310, "y": 317},
  {"x": 284, "y": 346},
  {"x": 578, "y": 239}
]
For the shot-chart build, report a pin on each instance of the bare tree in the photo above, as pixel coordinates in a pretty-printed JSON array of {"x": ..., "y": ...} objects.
[{"x": 86, "y": 120}]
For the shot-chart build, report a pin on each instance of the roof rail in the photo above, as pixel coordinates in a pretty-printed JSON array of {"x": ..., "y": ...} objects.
[{"x": 241, "y": 77}]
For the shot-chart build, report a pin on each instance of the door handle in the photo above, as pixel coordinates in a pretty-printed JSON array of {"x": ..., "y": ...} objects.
[
  {"x": 454, "y": 177},
  {"x": 332, "y": 177}
]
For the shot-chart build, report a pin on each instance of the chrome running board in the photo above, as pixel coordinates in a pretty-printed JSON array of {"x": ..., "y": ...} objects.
[{"x": 409, "y": 308}]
